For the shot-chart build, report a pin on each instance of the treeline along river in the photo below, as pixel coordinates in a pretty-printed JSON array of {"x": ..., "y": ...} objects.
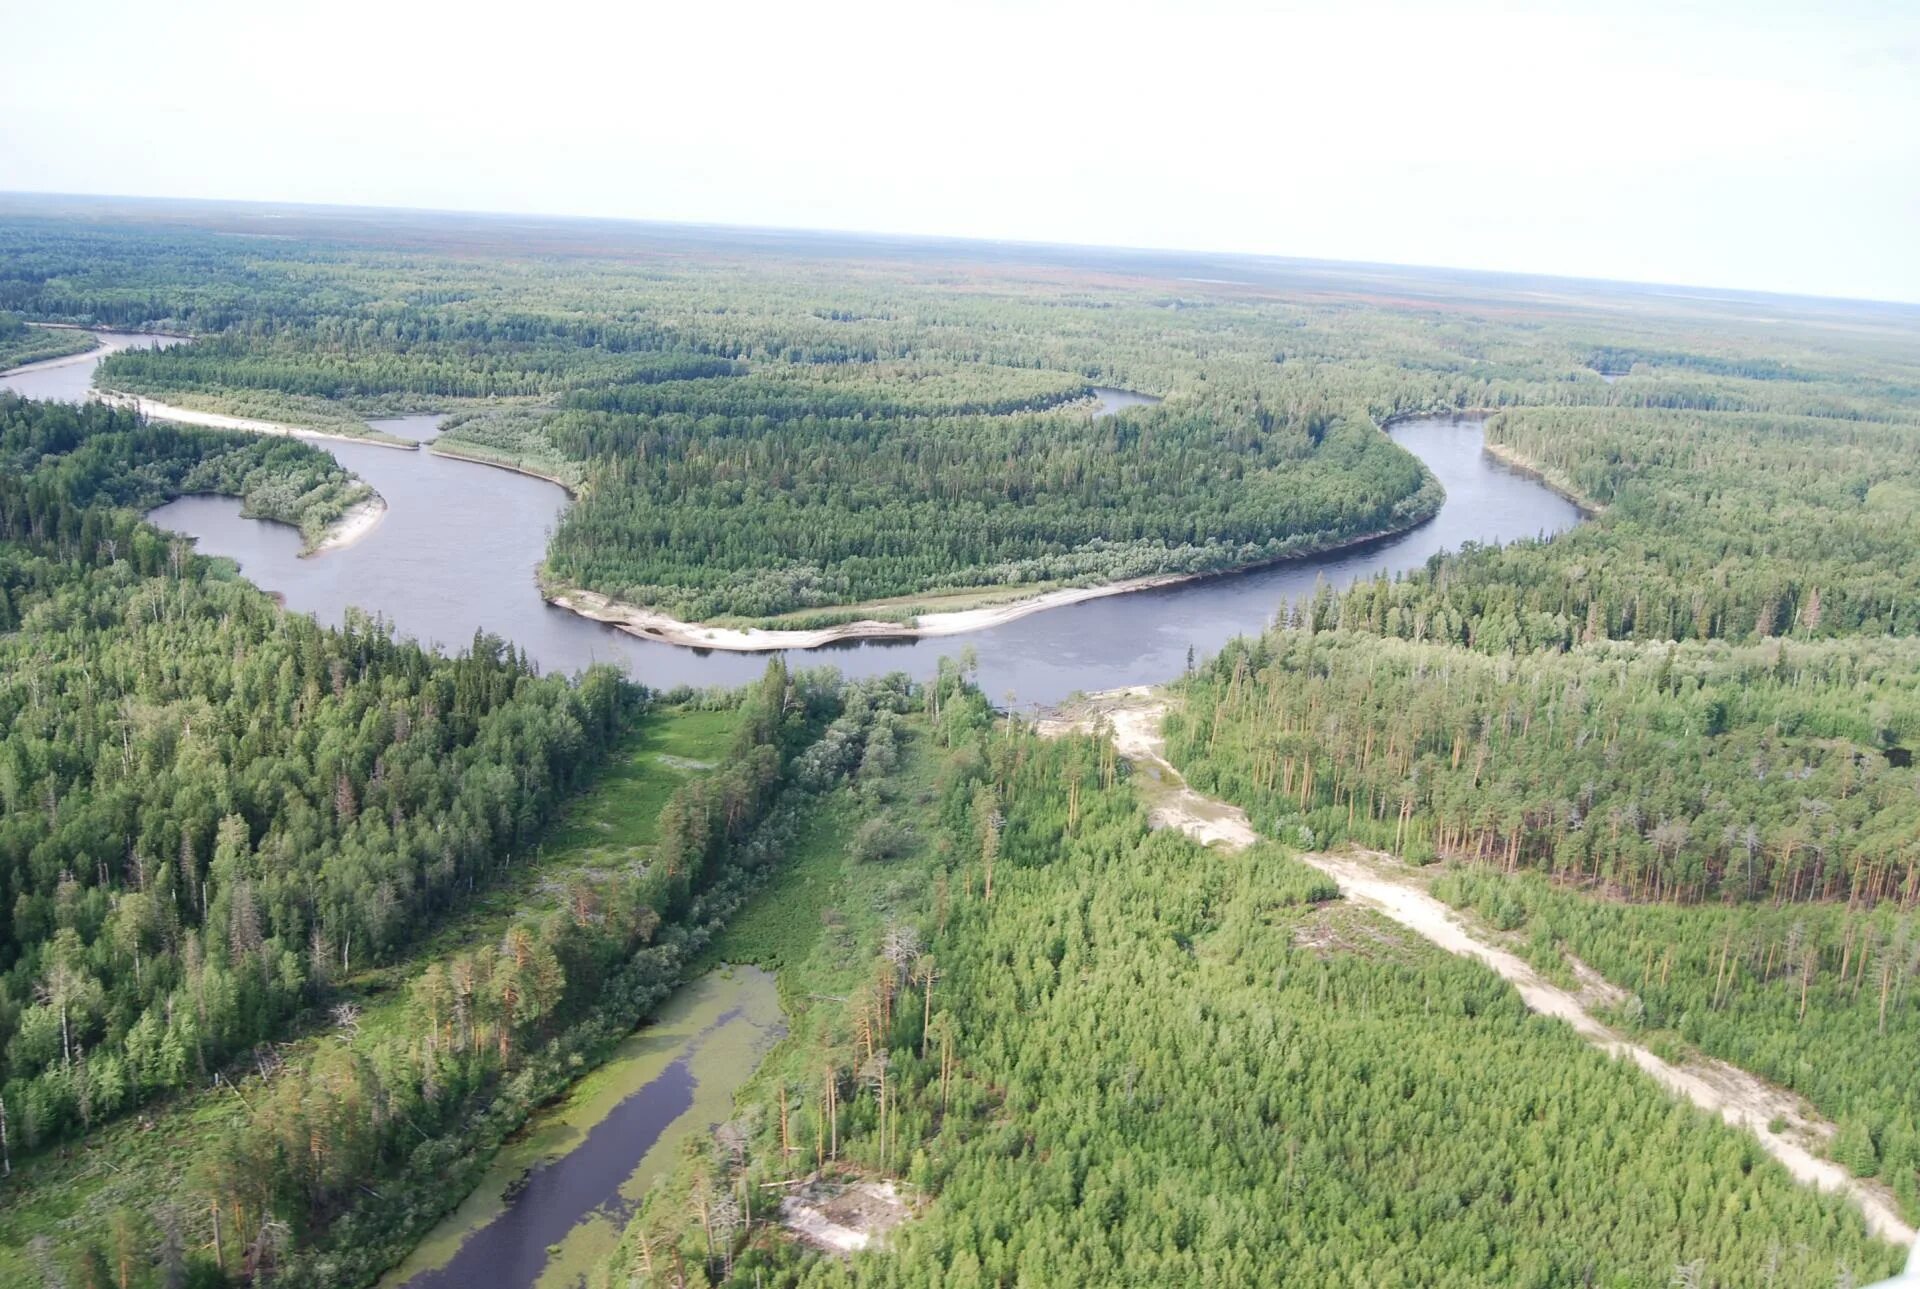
[{"x": 457, "y": 550}]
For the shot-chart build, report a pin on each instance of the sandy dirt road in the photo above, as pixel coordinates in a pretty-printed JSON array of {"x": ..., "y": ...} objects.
[{"x": 1133, "y": 717}]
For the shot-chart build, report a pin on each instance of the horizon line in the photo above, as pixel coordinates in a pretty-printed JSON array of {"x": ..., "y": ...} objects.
[{"x": 1036, "y": 243}]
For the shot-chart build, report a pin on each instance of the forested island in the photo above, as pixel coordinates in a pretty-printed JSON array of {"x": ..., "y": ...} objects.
[
  {"x": 790, "y": 456},
  {"x": 21, "y": 344},
  {"x": 305, "y": 922}
]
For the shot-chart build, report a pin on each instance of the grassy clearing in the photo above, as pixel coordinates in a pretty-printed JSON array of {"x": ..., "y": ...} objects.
[
  {"x": 817, "y": 925},
  {"x": 610, "y": 826},
  {"x": 816, "y": 921},
  {"x": 779, "y": 930},
  {"x": 69, "y": 1193}
]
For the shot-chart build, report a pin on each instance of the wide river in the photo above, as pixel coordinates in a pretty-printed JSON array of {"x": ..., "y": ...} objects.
[{"x": 457, "y": 549}]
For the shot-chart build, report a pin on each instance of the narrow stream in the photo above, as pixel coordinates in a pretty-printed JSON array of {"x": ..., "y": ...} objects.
[{"x": 578, "y": 1169}]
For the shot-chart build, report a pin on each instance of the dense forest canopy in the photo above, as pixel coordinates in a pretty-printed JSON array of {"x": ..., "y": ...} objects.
[
  {"x": 1703, "y": 698},
  {"x": 211, "y": 806},
  {"x": 323, "y": 865},
  {"x": 1094, "y": 1053},
  {"x": 1683, "y": 771},
  {"x": 750, "y": 446},
  {"x": 805, "y": 427},
  {"x": 74, "y": 465}
]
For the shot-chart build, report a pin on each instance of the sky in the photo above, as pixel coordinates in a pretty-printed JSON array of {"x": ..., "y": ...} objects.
[{"x": 1758, "y": 145}]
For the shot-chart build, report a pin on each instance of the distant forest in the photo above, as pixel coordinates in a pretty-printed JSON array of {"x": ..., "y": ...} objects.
[
  {"x": 336, "y": 913},
  {"x": 1676, "y": 742}
]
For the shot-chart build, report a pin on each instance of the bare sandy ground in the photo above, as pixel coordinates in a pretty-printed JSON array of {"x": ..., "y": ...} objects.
[
  {"x": 352, "y": 526},
  {"x": 440, "y": 449},
  {"x": 1744, "y": 1100},
  {"x": 650, "y": 624},
  {"x": 104, "y": 343},
  {"x": 156, "y": 410},
  {"x": 844, "y": 1218},
  {"x": 653, "y": 625}
]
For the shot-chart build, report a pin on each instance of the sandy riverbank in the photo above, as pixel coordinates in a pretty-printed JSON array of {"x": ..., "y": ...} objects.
[
  {"x": 650, "y": 624},
  {"x": 1743, "y": 1100},
  {"x": 105, "y": 342},
  {"x": 48, "y": 364},
  {"x": 653, "y": 625},
  {"x": 453, "y": 454},
  {"x": 158, "y": 411},
  {"x": 352, "y": 526}
]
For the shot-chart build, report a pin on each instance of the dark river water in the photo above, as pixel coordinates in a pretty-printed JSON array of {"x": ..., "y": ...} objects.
[
  {"x": 555, "y": 1200},
  {"x": 457, "y": 549}
]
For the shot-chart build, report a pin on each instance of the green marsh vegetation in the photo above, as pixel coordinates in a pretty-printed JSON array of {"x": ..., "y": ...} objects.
[
  {"x": 215, "y": 811},
  {"x": 1676, "y": 742},
  {"x": 391, "y": 1093},
  {"x": 296, "y": 938}
]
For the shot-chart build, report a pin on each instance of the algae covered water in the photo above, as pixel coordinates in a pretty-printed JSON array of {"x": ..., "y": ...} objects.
[{"x": 558, "y": 1195}]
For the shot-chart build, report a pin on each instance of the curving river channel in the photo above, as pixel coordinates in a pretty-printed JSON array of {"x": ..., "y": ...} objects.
[
  {"x": 457, "y": 549},
  {"x": 456, "y": 552}
]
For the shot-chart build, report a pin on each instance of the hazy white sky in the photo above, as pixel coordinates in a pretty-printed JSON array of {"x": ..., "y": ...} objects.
[{"x": 1754, "y": 144}]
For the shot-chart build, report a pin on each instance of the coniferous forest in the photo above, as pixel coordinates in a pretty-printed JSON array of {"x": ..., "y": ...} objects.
[
  {"x": 304, "y": 923},
  {"x": 1097, "y": 1054},
  {"x": 213, "y": 807}
]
